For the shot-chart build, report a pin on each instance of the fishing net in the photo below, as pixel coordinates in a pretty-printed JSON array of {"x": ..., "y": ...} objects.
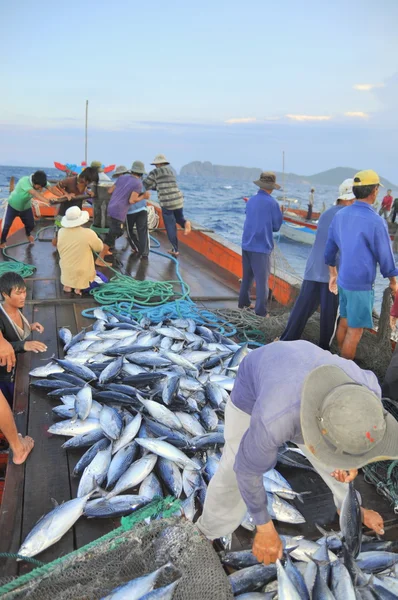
[{"x": 132, "y": 550}]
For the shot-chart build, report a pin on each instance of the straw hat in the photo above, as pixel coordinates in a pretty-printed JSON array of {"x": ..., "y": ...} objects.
[
  {"x": 121, "y": 170},
  {"x": 97, "y": 164},
  {"x": 159, "y": 160},
  {"x": 138, "y": 167},
  {"x": 344, "y": 424},
  {"x": 267, "y": 181},
  {"x": 74, "y": 217}
]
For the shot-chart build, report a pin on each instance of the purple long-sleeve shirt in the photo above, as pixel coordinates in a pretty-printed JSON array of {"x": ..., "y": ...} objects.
[{"x": 268, "y": 387}]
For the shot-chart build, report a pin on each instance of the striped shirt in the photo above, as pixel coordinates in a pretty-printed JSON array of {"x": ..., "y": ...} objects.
[{"x": 163, "y": 180}]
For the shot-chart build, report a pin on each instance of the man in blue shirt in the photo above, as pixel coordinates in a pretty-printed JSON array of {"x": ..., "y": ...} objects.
[
  {"x": 263, "y": 217},
  {"x": 315, "y": 288},
  {"x": 362, "y": 239}
]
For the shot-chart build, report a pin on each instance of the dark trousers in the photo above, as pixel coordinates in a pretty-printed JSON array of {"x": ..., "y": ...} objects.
[
  {"x": 26, "y": 217},
  {"x": 313, "y": 294},
  {"x": 115, "y": 231},
  {"x": 309, "y": 213},
  {"x": 389, "y": 389},
  {"x": 140, "y": 243},
  {"x": 100, "y": 207},
  {"x": 171, "y": 218},
  {"x": 393, "y": 215},
  {"x": 7, "y": 387},
  {"x": 257, "y": 266}
]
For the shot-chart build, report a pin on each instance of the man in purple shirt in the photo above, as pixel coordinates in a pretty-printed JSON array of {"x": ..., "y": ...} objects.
[
  {"x": 127, "y": 190},
  {"x": 325, "y": 404}
]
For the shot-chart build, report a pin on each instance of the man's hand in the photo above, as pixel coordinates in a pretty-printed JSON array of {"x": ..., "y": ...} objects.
[
  {"x": 7, "y": 355},
  {"x": 333, "y": 285},
  {"x": 372, "y": 520},
  {"x": 344, "y": 476},
  {"x": 267, "y": 545},
  {"x": 34, "y": 347},
  {"x": 37, "y": 327}
]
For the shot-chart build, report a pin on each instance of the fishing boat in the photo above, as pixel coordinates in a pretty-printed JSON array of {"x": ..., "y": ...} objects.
[
  {"x": 74, "y": 169},
  {"x": 212, "y": 268}
]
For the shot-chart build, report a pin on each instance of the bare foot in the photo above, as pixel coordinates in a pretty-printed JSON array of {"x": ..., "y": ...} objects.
[
  {"x": 3, "y": 245},
  {"x": 54, "y": 242},
  {"x": 31, "y": 239},
  {"x": 187, "y": 228},
  {"x": 78, "y": 292},
  {"x": 173, "y": 253},
  {"x": 67, "y": 289},
  {"x": 100, "y": 262},
  {"x": 23, "y": 452}
]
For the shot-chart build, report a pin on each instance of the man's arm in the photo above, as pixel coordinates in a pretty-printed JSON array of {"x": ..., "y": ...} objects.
[
  {"x": 149, "y": 182},
  {"x": 137, "y": 197},
  {"x": 7, "y": 354},
  {"x": 331, "y": 248},
  {"x": 333, "y": 280},
  {"x": 384, "y": 255}
]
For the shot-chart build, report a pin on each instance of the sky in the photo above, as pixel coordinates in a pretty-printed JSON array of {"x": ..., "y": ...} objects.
[{"x": 225, "y": 81}]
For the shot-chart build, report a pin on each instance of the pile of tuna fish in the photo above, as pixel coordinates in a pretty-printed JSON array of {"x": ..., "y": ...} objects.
[
  {"x": 142, "y": 588},
  {"x": 339, "y": 566}
]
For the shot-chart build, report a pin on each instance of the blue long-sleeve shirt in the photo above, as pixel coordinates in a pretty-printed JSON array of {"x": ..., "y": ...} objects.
[
  {"x": 362, "y": 238},
  {"x": 316, "y": 269},
  {"x": 268, "y": 387},
  {"x": 263, "y": 217}
]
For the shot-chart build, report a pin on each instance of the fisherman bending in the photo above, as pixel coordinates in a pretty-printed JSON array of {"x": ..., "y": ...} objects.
[{"x": 325, "y": 404}]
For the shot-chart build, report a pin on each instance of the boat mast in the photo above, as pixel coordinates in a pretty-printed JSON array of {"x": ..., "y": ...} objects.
[
  {"x": 85, "y": 141},
  {"x": 283, "y": 175}
]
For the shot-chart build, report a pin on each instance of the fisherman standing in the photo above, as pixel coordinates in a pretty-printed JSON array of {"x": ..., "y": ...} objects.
[
  {"x": 386, "y": 205},
  {"x": 325, "y": 404},
  {"x": 315, "y": 287},
  {"x": 163, "y": 180},
  {"x": 310, "y": 204},
  {"x": 263, "y": 217},
  {"x": 101, "y": 197},
  {"x": 362, "y": 239}
]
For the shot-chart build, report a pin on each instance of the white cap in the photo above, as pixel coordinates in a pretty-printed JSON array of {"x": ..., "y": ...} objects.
[{"x": 345, "y": 190}]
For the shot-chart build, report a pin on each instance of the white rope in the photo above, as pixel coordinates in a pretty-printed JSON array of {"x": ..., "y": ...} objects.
[{"x": 153, "y": 218}]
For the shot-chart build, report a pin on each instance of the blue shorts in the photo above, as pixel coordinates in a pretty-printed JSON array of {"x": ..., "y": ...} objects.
[{"x": 356, "y": 307}]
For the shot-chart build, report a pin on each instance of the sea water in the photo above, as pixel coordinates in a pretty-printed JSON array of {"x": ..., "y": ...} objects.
[{"x": 218, "y": 204}]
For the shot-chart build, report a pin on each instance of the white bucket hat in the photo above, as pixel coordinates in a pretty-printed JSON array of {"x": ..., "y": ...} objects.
[
  {"x": 345, "y": 190},
  {"x": 159, "y": 160},
  {"x": 74, "y": 217}
]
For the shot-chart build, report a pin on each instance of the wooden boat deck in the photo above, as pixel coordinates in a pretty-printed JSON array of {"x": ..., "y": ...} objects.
[{"x": 29, "y": 489}]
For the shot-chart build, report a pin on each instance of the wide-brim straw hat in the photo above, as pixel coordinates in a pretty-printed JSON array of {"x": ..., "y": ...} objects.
[
  {"x": 121, "y": 170},
  {"x": 267, "y": 181},
  {"x": 74, "y": 217},
  {"x": 344, "y": 424},
  {"x": 159, "y": 160}
]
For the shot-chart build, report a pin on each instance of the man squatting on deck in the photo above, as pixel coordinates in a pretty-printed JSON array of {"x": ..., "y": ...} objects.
[{"x": 325, "y": 404}]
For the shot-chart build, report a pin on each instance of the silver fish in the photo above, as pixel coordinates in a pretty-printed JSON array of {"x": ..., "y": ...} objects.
[
  {"x": 286, "y": 588},
  {"x": 171, "y": 476},
  {"x": 100, "y": 314},
  {"x": 148, "y": 359},
  {"x": 111, "y": 422},
  {"x": 238, "y": 357},
  {"x": 171, "y": 332},
  {"x": 134, "y": 475},
  {"x": 94, "y": 474},
  {"x": 46, "y": 370},
  {"x": 151, "y": 487},
  {"x": 111, "y": 371},
  {"x": 128, "y": 433},
  {"x": 213, "y": 394},
  {"x": 79, "y": 347},
  {"x": 118, "y": 506},
  {"x": 341, "y": 584},
  {"x": 179, "y": 360},
  {"x": 190, "y": 384},
  {"x": 166, "y": 450},
  {"x": 209, "y": 418},
  {"x": 190, "y": 424},
  {"x": 197, "y": 357},
  {"x": 170, "y": 388},
  {"x": 132, "y": 370},
  {"x": 251, "y": 578},
  {"x": 275, "y": 488},
  {"x": 53, "y": 526},
  {"x": 88, "y": 456},
  {"x": 161, "y": 413},
  {"x": 191, "y": 480},
  {"x": 65, "y": 335},
  {"x": 162, "y": 593},
  {"x": 120, "y": 463},
  {"x": 71, "y": 427},
  {"x": 84, "y": 439},
  {"x": 137, "y": 588},
  {"x": 351, "y": 520},
  {"x": 83, "y": 402},
  {"x": 283, "y": 511}
]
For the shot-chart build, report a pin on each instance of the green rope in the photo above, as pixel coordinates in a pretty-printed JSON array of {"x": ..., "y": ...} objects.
[
  {"x": 123, "y": 288},
  {"x": 15, "y": 265},
  {"x": 99, "y": 229},
  {"x": 38, "y": 563}
]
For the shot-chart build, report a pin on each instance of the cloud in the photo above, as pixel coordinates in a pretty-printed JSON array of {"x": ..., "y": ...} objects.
[
  {"x": 309, "y": 117},
  {"x": 367, "y": 87},
  {"x": 357, "y": 114},
  {"x": 241, "y": 120}
]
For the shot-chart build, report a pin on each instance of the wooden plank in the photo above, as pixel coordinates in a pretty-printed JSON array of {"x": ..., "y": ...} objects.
[
  {"x": 13, "y": 495},
  {"x": 85, "y": 530},
  {"x": 45, "y": 289},
  {"x": 47, "y": 473}
]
